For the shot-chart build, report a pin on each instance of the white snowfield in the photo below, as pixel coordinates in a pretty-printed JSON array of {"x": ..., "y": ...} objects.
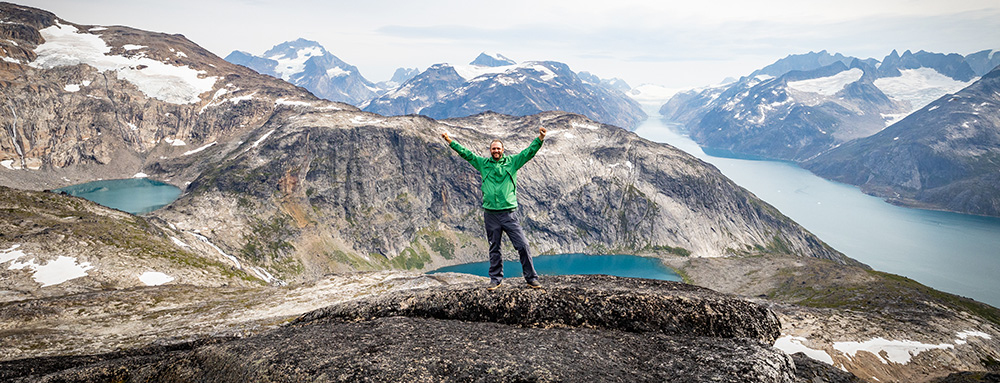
[
  {"x": 919, "y": 86},
  {"x": 895, "y": 351},
  {"x": 469, "y": 72},
  {"x": 828, "y": 86},
  {"x": 49, "y": 273},
  {"x": 65, "y": 45}
]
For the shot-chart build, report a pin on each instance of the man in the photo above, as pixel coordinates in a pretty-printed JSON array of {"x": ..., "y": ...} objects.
[{"x": 499, "y": 184}]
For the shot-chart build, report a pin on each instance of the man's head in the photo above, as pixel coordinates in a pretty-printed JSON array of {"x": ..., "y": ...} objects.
[{"x": 496, "y": 149}]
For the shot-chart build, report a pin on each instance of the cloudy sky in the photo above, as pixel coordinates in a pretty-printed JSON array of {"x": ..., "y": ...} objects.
[{"x": 673, "y": 44}]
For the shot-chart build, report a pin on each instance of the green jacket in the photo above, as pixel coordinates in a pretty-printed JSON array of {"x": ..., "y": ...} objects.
[{"x": 499, "y": 176}]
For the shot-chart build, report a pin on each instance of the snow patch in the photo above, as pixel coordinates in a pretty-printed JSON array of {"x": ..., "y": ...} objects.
[
  {"x": 50, "y": 273},
  {"x": 583, "y": 125},
  {"x": 919, "y": 86},
  {"x": 792, "y": 344},
  {"x": 288, "y": 66},
  {"x": 896, "y": 351},
  {"x": 283, "y": 101},
  {"x": 969, "y": 333},
  {"x": 179, "y": 242},
  {"x": 262, "y": 138},
  {"x": 223, "y": 253},
  {"x": 66, "y": 46},
  {"x": 828, "y": 86},
  {"x": 336, "y": 72},
  {"x": 72, "y": 87},
  {"x": 8, "y": 164},
  {"x": 132, "y": 47},
  {"x": 155, "y": 278},
  {"x": 190, "y": 152},
  {"x": 174, "y": 142},
  {"x": 140, "y": 175}
]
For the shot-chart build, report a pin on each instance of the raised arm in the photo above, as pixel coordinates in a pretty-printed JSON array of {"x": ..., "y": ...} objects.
[
  {"x": 528, "y": 153},
  {"x": 466, "y": 154}
]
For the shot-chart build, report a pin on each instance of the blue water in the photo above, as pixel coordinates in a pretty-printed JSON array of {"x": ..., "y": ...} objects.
[
  {"x": 133, "y": 195},
  {"x": 956, "y": 253},
  {"x": 567, "y": 264}
]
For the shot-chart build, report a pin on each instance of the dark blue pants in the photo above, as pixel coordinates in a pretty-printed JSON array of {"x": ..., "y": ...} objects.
[{"x": 497, "y": 223}]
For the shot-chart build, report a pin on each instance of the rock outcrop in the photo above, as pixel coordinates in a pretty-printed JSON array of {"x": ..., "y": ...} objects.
[{"x": 678, "y": 333}]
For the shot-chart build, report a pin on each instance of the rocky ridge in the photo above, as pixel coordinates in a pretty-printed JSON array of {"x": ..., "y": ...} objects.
[{"x": 422, "y": 335}]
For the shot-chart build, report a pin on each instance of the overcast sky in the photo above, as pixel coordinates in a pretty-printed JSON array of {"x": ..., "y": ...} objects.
[{"x": 682, "y": 45}]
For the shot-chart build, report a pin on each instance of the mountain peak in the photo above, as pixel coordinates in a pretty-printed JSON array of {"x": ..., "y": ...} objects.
[{"x": 492, "y": 60}]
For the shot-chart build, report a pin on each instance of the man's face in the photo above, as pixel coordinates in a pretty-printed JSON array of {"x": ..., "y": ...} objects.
[{"x": 496, "y": 150}]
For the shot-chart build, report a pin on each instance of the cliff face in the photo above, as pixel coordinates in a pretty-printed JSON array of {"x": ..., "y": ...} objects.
[{"x": 608, "y": 329}]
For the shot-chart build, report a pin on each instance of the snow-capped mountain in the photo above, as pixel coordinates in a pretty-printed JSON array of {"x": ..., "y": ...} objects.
[
  {"x": 307, "y": 64},
  {"x": 809, "y": 109},
  {"x": 492, "y": 60},
  {"x": 445, "y": 91},
  {"x": 944, "y": 156},
  {"x": 400, "y": 76}
]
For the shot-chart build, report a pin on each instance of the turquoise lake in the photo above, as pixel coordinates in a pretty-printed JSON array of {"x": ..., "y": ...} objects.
[
  {"x": 133, "y": 195},
  {"x": 955, "y": 253},
  {"x": 566, "y": 264}
]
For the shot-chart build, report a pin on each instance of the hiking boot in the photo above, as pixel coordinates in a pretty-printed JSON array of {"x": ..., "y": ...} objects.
[
  {"x": 534, "y": 284},
  {"x": 493, "y": 285}
]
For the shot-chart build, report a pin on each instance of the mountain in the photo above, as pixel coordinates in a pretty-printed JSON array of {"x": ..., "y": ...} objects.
[
  {"x": 798, "y": 108},
  {"x": 307, "y": 200},
  {"x": 446, "y": 91},
  {"x": 400, "y": 76},
  {"x": 87, "y": 102},
  {"x": 611, "y": 83},
  {"x": 945, "y": 156},
  {"x": 492, "y": 60},
  {"x": 307, "y": 64},
  {"x": 806, "y": 62},
  {"x": 983, "y": 61}
]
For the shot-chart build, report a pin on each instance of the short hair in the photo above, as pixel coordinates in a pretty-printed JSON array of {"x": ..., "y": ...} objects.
[{"x": 495, "y": 141}]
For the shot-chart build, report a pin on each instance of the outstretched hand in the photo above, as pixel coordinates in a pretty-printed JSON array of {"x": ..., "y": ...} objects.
[
  {"x": 446, "y": 138},
  {"x": 541, "y": 132}
]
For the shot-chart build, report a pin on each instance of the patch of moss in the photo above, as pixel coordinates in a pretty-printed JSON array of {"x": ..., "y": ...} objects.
[
  {"x": 441, "y": 245},
  {"x": 411, "y": 259},
  {"x": 267, "y": 238},
  {"x": 885, "y": 292},
  {"x": 672, "y": 250}
]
